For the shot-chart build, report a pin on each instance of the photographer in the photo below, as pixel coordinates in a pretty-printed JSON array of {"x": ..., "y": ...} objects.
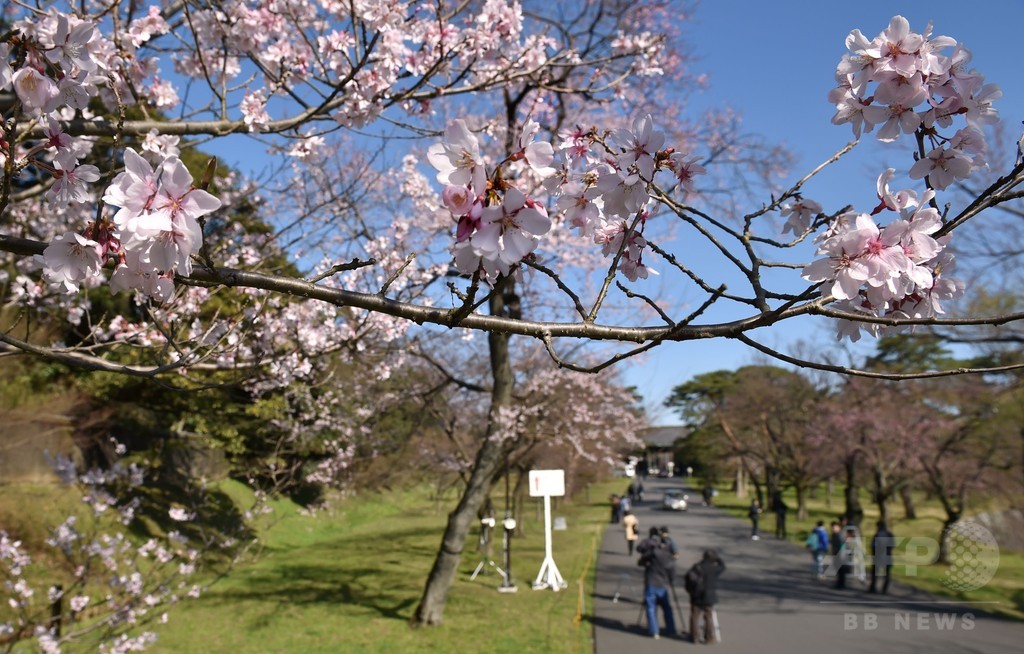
[{"x": 659, "y": 574}]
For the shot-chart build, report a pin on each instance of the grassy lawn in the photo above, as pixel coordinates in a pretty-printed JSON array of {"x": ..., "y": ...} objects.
[
  {"x": 1005, "y": 591},
  {"x": 349, "y": 580}
]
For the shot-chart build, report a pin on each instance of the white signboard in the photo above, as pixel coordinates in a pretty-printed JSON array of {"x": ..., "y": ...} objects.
[{"x": 549, "y": 483}]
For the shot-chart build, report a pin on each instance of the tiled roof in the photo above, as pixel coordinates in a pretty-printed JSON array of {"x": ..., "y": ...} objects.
[{"x": 663, "y": 436}]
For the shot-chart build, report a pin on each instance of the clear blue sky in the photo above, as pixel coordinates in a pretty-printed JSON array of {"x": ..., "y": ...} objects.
[{"x": 774, "y": 62}]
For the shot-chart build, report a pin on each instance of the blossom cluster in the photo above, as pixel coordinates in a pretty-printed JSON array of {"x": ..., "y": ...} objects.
[
  {"x": 603, "y": 190},
  {"x": 113, "y": 581},
  {"x": 917, "y": 88},
  {"x": 898, "y": 271},
  {"x": 59, "y": 63},
  {"x": 153, "y": 235}
]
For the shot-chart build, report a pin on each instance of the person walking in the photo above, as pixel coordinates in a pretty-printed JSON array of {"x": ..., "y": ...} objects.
[
  {"x": 881, "y": 557},
  {"x": 632, "y": 525},
  {"x": 818, "y": 544},
  {"x": 708, "y": 493},
  {"x": 616, "y": 503},
  {"x": 659, "y": 575},
  {"x": 850, "y": 557},
  {"x": 755, "y": 514},
  {"x": 702, "y": 586},
  {"x": 780, "y": 508},
  {"x": 625, "y": 504},
  {"x": 835, "y": 538}
]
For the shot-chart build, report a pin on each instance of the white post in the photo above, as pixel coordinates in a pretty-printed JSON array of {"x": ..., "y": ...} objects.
[
  {"x": 545, "y": 483},
  {"x": 548, "y": 577}
]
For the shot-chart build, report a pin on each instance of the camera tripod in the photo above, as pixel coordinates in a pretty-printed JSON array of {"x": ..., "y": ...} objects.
[{"x": 485, "y": 551}]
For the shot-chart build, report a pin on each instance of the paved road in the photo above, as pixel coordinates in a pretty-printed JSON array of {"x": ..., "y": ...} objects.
[{"x": 769, "y": 601}]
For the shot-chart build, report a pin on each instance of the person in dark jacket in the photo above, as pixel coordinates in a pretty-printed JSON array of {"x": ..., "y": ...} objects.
[
  {"x": 780, "y": 508},
  {"x": 702, "y": 585},
  {"x": 881, "y": 557},
  {"x": 835, "y": 537},
  {"x": 659, "y": 575}
]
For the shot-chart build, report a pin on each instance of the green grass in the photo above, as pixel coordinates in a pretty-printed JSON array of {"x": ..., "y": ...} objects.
[
  {"x": 1005, "y": 591},
  {"x": 349, "y": 580}
]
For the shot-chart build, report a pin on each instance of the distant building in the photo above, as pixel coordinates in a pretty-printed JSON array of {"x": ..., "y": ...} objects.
[{"x": 659, "y": 447}]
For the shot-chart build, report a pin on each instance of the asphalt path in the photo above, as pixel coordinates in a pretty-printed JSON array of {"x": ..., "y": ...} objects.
[{"x": 770, "y": 602}]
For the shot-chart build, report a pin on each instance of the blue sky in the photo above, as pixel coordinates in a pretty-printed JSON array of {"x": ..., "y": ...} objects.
[{"x": 774, "y": 62}]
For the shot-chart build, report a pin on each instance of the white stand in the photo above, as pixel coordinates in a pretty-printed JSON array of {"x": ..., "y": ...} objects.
[{"x": 548, "y": 577}]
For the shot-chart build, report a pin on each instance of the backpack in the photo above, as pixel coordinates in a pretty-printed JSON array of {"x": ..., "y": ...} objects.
[{"x": 693, "y": 582}]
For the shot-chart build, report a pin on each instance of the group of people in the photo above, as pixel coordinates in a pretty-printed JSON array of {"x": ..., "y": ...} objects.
[
  {"x": 623, "y": 504},
  {"x": 847, "y": 551},
  {"x": 658, "y": 554}
]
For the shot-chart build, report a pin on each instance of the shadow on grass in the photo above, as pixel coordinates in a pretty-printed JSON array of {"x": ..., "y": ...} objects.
[{"x": 382, "y": 575}]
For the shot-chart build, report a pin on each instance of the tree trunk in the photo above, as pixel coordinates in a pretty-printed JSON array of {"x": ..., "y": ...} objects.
[
  {"x": 909, "y": 512},
  {"x": 854, "y": 512},
  {"x": 882, "y": 493},
  {"x": 493, "y": 452},
  {"x": 741, "y": 480},
  {"x": 947, "y": 526},
  {"x": 801, "y": 502}
]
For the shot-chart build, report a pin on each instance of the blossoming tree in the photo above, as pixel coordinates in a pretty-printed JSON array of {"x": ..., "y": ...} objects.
[{"x": 545, "y": 207}]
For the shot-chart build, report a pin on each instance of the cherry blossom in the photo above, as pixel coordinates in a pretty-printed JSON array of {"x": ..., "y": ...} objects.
[
  {"x": 538, "y": 154},
  {"x": 800, "y": 213},
  {"x": 893, "y": 201},
  {"x": 34, "y": 89},
  {"x": 71, "y": 259},
  {"x": 71, "y": 45},
  {"x": 639, "y": 146},
  {"x": 71, "y": 180},
  {"x": 685, "y": 168},
  {"x": 943, "y": 166},
  {"x": 509, "y": 231},
  {"x": 458, "y": 159}
]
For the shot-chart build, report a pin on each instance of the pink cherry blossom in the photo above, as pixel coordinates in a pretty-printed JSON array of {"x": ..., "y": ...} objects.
[
  {"x": 71, "y": 259},
  {"x": 538, "y": 154},
  {"x": 132, "y": 190},
  {"x": 6, "y": 72},
  {"x": 254, "y": 110},
  {"x": 579, "y": 206},
  {"x": 508, "y": 232},
  {"x": 458, "y": 199},
  {"x": 34, "y": 89},
  {"x": 896, "y": 202},
  {"x": 896, "y": 48},
  {"x": 685, "y": 168},
  {"x": 71, "y": 45},
  {"x": 639, "y": 146},
  {"x": 801, "y": 212},
  {"x": 458, "y": 159},
  {"x": 71, "y": 180},
  {"x": 942, "y": 166},
  {"x": 841, "y": 272},
  {"x": 850, "y": 109}
]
